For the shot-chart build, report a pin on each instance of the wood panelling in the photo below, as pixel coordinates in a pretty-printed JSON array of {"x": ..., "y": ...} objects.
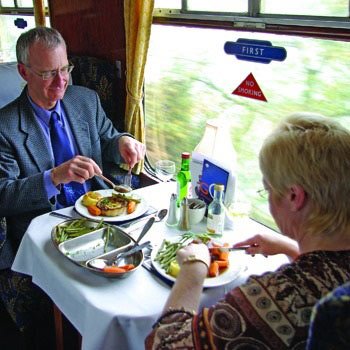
[{"x": 93, "y": 28}]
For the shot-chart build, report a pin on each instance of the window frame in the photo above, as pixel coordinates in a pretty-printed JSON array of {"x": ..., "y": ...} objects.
[
  {"x": 24, "y": 11},
  {"x": 315, "y": 26}
]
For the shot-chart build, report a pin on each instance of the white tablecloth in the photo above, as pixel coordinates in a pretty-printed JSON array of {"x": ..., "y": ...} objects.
[{"x": 116, "y": 313}]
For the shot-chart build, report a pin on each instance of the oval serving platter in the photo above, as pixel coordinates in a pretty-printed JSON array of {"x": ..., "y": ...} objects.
[{"x": 102, "y": 242}]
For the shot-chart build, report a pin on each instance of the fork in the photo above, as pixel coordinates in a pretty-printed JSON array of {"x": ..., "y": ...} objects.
[{"x": 128, "y": 178}]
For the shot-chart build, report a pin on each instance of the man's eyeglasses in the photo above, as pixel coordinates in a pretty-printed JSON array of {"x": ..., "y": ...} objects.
[
  {"x": 50, "y": 74},
  {"x": 263, "y": 193}
]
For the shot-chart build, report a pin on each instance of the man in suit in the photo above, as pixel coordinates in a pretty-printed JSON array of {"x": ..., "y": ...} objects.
[{"x": 31, "y": 180}]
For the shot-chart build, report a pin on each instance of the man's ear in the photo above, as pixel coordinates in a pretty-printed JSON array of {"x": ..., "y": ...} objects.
[
  {"x": 22, "y": 71},
  {"x": 297, "y": 197}
]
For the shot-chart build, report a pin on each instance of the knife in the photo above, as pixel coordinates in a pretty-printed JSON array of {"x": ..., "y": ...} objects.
[
  {"x": 229, "y": 249},
  {"x": 133, "y": 250}
]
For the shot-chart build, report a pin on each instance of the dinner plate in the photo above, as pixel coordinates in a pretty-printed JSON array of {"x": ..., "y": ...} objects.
[
  {"x": 141, "y": 208},
  {"x": 227, "y": 276}
]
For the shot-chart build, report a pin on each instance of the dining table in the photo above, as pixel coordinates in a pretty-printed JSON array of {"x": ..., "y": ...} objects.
[{"x": 112, "y": 313}]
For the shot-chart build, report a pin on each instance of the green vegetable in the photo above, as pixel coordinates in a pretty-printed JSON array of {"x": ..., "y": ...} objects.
[
  {"x": 75, "y": 228},
  {"x": 125, "y": 197},
  {"x": 167, "y": 251}
]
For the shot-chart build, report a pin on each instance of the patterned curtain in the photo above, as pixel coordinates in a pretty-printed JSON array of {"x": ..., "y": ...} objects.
[
  {"x": 39, "y": 13},
  {"x": 138, "y": 21}
]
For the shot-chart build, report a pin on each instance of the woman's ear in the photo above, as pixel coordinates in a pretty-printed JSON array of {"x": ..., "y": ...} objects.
[{"x": 297, "y": 198}]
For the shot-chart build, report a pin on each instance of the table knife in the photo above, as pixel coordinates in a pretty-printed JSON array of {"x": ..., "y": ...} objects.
[{"x": 229, "y": 249}]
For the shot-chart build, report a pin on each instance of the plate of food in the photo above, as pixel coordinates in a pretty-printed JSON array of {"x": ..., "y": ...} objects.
[
  {"x": 164, "y": 262},
  {"x": 111, "y": 206}
]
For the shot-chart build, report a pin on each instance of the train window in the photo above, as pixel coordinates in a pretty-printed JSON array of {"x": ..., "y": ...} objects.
[
  {"x": 215, "y": 6},
  {"x": 19, "y": 3},
  {"x": 309, "y": 7},
  {"x": 190, "y": 79},
  {"x": 174, "y": 4},
  {"x": 7, "y": 3},
  {"x": 9, "y": 36},
  {"x": 258, "y": 13},
  {"x": 16, "y": 17}
]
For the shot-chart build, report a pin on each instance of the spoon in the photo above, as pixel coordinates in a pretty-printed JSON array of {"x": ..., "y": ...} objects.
[
  {"x": 123, "y": 188},
  {"x": 99, "y": 263},
  {"x": 160, "y": 215}
]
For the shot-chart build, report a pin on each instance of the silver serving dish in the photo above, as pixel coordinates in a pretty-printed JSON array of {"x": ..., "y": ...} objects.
[{"x": 105, "y": 243}]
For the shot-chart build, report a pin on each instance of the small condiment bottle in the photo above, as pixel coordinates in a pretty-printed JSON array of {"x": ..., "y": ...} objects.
[
  {"x": 172, "y": 219},
  {"x": 184, "y": 222},
  {"x": 216, "y": 211}
]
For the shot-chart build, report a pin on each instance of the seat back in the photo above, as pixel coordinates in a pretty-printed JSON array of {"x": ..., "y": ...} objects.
[
  {"x": 102, "y": 76},
  {"x": 11, "y": 83},
  {"x": 330, "y": 321}
]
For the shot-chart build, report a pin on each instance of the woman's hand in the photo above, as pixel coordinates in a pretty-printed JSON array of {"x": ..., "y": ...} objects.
[
  {"x": 270, "y": 244},
  {"x": 199, "y": 251}
]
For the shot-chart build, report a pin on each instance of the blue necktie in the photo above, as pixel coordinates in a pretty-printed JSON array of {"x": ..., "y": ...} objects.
[{"x": 62, "y": 152}]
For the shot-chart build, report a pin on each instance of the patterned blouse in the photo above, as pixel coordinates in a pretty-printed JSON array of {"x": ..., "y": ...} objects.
[{"x": 271, "y": 311}]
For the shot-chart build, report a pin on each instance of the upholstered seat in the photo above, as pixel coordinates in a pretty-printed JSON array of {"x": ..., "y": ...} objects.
[
  {"x": 330, "y": 321},
  {"x": 102, "y": 76},
  {"x": 11, "y": 83}
]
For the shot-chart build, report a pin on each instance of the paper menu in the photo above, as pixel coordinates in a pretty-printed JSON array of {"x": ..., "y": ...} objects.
[
  {"x": 211, "y": 174},
  {"x": 214, "y": 172}
]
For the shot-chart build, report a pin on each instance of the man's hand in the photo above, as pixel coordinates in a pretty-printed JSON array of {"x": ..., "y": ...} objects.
[
  {"x": 77, "y": 169},
  {"x": 131, "y": 150}
]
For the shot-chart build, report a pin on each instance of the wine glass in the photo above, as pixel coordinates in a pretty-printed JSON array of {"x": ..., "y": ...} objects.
[{"x": 165, "y": 169}]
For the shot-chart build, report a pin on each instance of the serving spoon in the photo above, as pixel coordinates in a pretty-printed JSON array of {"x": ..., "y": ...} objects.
[
  {"x": 100, "y": 263},
  {"x": 159, "y": 216},
  {"x": 122, "y": 188}
]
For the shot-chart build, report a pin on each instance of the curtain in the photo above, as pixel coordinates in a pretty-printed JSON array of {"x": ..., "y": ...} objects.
[
  {"x": 39, "y": 13},
  {"x": 138, "y": 21}
]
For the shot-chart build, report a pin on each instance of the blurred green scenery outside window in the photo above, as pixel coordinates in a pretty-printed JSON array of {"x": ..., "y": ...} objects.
[{"x": 190, "y": 79}]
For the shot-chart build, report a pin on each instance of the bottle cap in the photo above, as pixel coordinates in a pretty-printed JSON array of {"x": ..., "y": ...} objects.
[
  {"x": 219, "y": 187},
  {"x": 185, "y": 155}
]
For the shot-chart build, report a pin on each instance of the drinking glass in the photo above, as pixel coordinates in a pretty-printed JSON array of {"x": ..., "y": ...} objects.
[{"x": 165, "y": 169}]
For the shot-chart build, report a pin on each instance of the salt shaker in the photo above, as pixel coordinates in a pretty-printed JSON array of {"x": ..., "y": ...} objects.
[
  {"x": 172, "y": 216},
  {"x": 184, "y": 222}
]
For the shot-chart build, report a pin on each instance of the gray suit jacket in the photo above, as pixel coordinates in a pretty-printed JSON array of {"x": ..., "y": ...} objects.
[{"x": 25, "y": 155}]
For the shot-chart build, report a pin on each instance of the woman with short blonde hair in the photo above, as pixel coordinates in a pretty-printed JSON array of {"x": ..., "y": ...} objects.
[{"x": 305, "y": 164}]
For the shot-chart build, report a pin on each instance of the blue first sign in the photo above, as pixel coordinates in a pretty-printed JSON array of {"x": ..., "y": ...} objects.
[{"x": 255, "y": 50}]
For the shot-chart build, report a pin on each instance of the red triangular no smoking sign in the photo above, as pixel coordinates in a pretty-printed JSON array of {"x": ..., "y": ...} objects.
[{"x": 250, "y": 88}]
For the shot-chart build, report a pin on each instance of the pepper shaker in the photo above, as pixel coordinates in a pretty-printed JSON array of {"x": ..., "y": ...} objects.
[
  {"x": 173, "y": 211},
  {"x": 184, "y": 222}
]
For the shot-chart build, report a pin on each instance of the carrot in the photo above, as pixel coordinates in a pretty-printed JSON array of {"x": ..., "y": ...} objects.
[
  {"x": 93, "y": 210},
  {"x": 213, "y": 269},
  {"x": 127, "y": 267},
  {"x": 131, "y": 207},
  {"x": 114, "y": 269},
  {"x": 222, "y": 263},
  {"x": 224, "y": 255}
]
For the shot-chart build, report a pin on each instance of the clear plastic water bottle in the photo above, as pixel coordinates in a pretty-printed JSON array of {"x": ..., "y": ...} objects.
[{"x": 216, "y": 211}]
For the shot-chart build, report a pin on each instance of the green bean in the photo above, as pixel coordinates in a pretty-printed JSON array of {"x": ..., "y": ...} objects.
[
  {"x": 107, "y": 235},
  {"x": 75, "y": 228},
  {"x": 167, "y": 251}
]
